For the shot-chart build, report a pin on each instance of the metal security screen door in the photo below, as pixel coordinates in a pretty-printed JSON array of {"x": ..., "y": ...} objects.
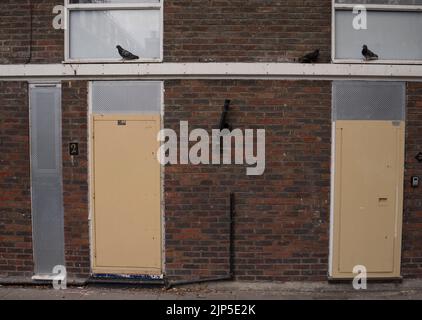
[
  {"x": 46, "y": 177},
  {"x": 368, "y": 178},
  {"x": 126, "y": 180}
]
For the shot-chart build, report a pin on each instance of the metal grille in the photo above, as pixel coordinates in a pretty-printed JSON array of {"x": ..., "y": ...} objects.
[
  {"x": 132, "y": 97},
  {"x": 367, "y": 100},
  {"x": 46, "y": 178}
]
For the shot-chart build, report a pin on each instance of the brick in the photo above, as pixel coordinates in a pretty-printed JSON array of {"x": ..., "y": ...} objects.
[
  {"x": 263, "y": 202},
  {"x": 75, "y": 177},
  {"x": 15, "y": 204},
  {"x": 43, "y": 45}
]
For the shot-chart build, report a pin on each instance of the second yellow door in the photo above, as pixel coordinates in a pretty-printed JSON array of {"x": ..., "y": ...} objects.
[
  {"x": 126, "y": 195},
  {"x": 368, "y": 196}
]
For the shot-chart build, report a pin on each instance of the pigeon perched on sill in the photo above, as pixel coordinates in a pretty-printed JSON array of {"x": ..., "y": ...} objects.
[
  {"x": 368, "y": 54},
  {"x": 126, "y": 55},
  {"x": 311, "y": 57}
]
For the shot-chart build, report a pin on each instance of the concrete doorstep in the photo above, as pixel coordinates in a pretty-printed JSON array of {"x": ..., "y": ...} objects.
[{"x": 408, "y": 289}]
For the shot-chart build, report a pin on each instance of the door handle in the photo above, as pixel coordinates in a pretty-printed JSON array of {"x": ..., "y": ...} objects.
[{"x": 382, "y": 201}]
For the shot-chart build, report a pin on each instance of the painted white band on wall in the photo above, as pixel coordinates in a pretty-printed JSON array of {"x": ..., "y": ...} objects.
[{"x": 164, "y": 71}]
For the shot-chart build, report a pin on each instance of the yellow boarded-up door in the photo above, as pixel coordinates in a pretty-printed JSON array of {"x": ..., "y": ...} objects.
[
  {"x": 126, "y": 195},
  {"x": 368, "y": 195}
]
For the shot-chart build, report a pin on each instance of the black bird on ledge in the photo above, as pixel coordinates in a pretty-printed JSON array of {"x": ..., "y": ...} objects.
[
  {"x": 310, "y": 57},
  {"x": 368, "y": 54},
  {"x": 126, "y": 55}
]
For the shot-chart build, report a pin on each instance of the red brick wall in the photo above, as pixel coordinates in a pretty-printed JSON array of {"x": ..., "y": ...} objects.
[
  {"x": 194, "y": 30},
  {"x": 16, "y": 46},
  {"x": 75, "y": 177},
  {"x": 15, "y": 199},
  {"x": 412, "y": 223},
  {"x": 246, "y": 30},
  {"x": 14, "y": 31},
  {"x": 282, "y": 216},
  {"x": 282, "y": 223}
]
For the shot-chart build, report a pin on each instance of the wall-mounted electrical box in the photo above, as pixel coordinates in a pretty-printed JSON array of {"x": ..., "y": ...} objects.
[{"x": 415, "y": 182}]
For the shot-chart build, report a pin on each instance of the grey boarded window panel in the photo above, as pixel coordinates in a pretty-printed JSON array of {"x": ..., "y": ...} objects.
[
  {"x": 392, "y": 35},
  {"x": 45, "y": 155},
  {"x": 46, "y": 178},
  {"x": 368, "y": 100},
  {"x": 131, "y": 97}
]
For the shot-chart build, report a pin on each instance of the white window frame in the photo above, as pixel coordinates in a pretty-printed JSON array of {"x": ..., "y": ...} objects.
[
  {"x": 369, "y": 7},
  {"x": 110, "y": 6}
]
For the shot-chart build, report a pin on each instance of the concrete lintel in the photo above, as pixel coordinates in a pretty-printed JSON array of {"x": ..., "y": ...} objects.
[{"x": 210, "y": 71}]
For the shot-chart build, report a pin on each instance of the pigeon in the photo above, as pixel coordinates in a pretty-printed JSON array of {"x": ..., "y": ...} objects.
[
  {"x": 311, "y": 57},
  {"x": 126, "y": 55},
  {"x": 368, "y": 54}
]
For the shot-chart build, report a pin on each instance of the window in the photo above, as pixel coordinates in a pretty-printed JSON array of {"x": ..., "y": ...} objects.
[
  {"x": 392, "y": 31},
  {"x": 96, "y": 27}
]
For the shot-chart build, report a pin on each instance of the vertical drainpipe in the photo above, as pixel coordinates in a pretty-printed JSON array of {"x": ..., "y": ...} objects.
[
  {"x": 29, "y": 57},
  {"x": 230, "y": 276}
]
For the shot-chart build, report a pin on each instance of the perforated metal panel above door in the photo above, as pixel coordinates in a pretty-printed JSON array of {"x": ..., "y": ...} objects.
[
  {"x": 368, "y": 100},
  {"x": 126, "y": 97},
  {"x": 46, "y": 177}
]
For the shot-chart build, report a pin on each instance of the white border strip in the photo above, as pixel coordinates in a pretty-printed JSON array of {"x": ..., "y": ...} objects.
[
  {"x": 332, "y": 181},
  {"x": 209, "y": 71}
]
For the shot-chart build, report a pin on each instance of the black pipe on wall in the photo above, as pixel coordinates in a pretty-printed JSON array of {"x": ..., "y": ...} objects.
[{"x": 230, "y": 276}]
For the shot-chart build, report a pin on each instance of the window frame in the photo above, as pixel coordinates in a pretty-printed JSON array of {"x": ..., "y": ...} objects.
[
  {"x": 110, "y": 6},
  {"x": 369, "y": 7}
]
